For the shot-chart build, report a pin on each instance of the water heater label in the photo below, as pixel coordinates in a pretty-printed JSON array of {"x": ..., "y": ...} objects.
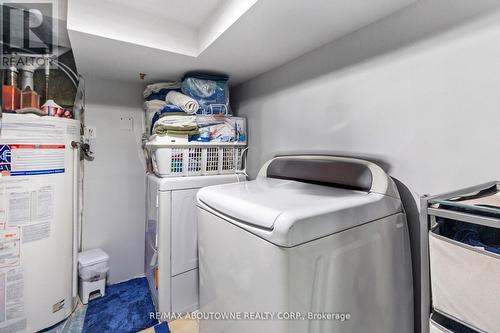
[{"x": 31, "y": 159}]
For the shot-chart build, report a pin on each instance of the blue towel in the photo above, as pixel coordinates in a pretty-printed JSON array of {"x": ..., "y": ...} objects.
[
  {"x": 471, "y": 234},
  {"x": 171, "y": 108}
]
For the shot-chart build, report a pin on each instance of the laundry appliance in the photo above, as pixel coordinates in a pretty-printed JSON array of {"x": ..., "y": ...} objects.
[
  {"x": 314, "y": 244},
  {"x": 171, "y": 254}
]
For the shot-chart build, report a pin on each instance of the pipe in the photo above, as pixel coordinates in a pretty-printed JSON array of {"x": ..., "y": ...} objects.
[{"x": 76, "y": 229}]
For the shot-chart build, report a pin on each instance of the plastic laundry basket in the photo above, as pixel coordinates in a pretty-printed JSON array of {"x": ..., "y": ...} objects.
[{"x": 197, "y": 160}]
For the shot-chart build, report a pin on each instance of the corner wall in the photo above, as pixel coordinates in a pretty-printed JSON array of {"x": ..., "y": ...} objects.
[
  {"x": 114, "y": 183},
  {"x": 418, "y": 93}
]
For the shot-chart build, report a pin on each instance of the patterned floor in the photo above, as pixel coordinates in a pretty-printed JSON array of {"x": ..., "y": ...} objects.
[
  {"x": 126, "y": 308},
  {"x": 74, "y": 324}
]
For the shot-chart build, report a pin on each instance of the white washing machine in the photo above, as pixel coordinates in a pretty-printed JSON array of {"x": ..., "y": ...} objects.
[
  {"x": 314, "y": 244},
  {"x": 171, "y": 254}
]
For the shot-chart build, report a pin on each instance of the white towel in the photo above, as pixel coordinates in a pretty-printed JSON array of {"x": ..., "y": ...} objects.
[
  {"x": 151, "y": 107},
  {"x": 178, "y": 122},
  {"x": 154, "y": 105},
  {"x": 186, "y": 103},
  {"x": 156, "y": 87}
]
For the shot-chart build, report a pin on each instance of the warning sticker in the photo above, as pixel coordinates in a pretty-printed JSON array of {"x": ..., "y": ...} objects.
[
  {"x": 9, "y": 247},
  {"x": 31, "y": 159}
]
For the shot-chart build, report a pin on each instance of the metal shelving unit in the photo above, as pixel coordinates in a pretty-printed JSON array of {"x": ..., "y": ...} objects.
[{"x": 430, "y": 208}]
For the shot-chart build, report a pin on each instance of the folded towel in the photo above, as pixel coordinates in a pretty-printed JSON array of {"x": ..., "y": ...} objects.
[
  {"x": 154, "y": 105},
  {"x": 207, "y": 120},
  {"x": 155, "y": 109},
  {"x": 178, "y": 132},
  {"x": 163, "y": 130},
  {"x": 151, "y": 120},
  {"x": 176, "y": 122},
  {"x": 186, "y": 103},
  {"x": 156, "y": 87}
]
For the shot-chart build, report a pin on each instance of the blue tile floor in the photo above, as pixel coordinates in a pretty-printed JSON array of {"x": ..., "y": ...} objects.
[
  {"x": 125, "y": 308},
  {"x": 74, "y": 324}
]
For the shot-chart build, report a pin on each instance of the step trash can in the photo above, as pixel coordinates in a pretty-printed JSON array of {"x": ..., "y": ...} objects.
[{"x": 92, "y": 269}]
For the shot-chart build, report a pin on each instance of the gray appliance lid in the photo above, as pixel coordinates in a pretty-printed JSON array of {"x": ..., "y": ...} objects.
[{"x": 291, "y": 211}]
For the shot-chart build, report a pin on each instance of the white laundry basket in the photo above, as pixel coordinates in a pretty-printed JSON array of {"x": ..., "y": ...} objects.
[
  {"x": 179, "y": 160},
  {"x": 465, "y": 282},
  {"x": 92, "y": 269}
]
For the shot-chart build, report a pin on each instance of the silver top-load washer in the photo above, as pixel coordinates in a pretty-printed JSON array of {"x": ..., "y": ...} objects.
[{"x": 311, "y": 235}]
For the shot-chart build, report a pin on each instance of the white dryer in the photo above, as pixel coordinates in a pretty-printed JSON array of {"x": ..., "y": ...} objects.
[
  {"x": 171, "y": 254},
  {"x": 314, "y": 244}
]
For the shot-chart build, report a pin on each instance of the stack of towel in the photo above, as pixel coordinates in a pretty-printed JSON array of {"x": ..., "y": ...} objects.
[
  {"x": 176, "y": 124},
  {"x": 171, "y": 109},
  {"x": 168, "y": 111}
]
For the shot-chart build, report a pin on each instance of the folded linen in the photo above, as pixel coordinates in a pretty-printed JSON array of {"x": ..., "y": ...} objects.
[
  {"x": 157, "y": 87},
  {"x": 157, "y": 115},
  {"x": 207, "y": 120},
  {"x": 222, "y": 132},
  {"x": 186, "y": 103},
  {"x": 177, "y": 132},
  {"x": 160, "y": 106},
  {"x": 175, "y": 123},
  {"x": 154, "y": 105},
  {"x": 154, "y": 109}
]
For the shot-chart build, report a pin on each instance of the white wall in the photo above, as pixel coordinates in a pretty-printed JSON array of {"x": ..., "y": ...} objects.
[
  {"x": 418, "y": 92},
  {"x": 114, "y": 183}
]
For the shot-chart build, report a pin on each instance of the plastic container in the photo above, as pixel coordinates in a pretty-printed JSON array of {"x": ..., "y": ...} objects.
[
  {"x": 92, "y": 269},
  {"x": 30, "y": 99},
  {"x": 197, "y": 159},
  {"x": 211, "y": 91},
  {"x": 11, "y": 98},
  {"x": 465, "y": 282}
]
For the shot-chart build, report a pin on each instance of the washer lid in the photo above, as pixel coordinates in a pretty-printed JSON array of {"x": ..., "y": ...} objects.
[
  {"x": 291, "y": 212},
  {"x": 288, "y": 205}
]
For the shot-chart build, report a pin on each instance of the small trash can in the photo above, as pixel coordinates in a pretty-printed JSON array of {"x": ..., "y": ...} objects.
[{"x": 92, "y": 269}]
